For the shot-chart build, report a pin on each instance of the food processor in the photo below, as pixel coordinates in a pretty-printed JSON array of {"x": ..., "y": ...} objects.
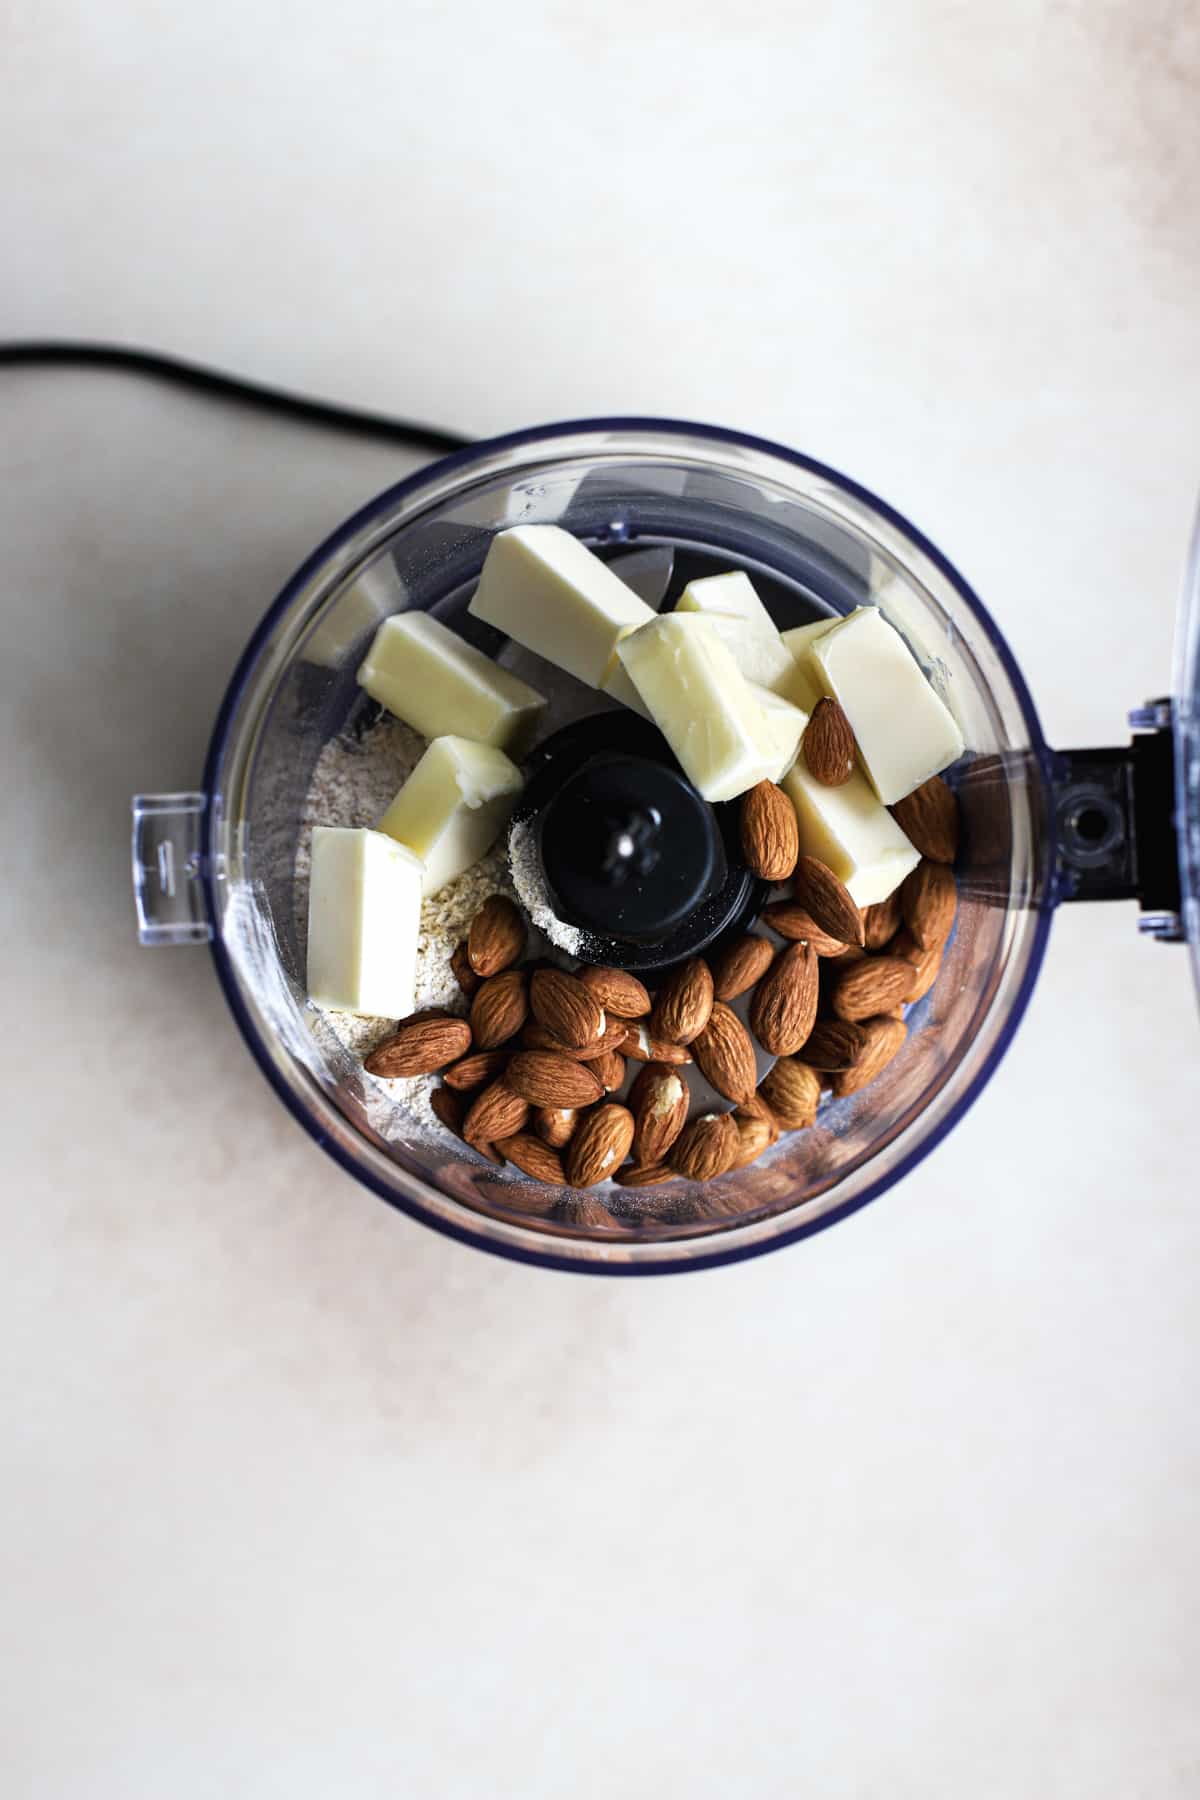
[{"x": 664, "y": 501}]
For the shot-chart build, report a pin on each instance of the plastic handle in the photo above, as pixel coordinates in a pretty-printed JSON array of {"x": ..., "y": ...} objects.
[{"x": 167, "y": 890}]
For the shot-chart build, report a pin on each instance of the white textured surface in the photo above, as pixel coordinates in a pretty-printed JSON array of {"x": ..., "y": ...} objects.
[{"x": 301, "y": 1501}]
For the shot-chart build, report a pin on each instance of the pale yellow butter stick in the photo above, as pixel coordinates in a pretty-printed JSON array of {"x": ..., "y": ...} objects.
[
  {"x": 847, "y": 829},
  {"x": 438, "y": 683},
  {"x": 453, "y": 807},
  {"x": 364, "y": 915}
]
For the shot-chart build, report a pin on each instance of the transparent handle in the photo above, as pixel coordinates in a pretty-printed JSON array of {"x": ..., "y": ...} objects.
[{"x": 167, "y": 889}]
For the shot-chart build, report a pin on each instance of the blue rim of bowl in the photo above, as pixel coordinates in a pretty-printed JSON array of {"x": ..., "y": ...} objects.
[{"x": 548, "y": 1258}]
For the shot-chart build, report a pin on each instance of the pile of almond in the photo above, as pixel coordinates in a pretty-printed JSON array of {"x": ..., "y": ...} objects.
[{"x": 528, "y": 1077}]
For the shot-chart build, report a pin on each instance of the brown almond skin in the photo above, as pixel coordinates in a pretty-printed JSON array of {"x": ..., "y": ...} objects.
[
  {"x": 833, "y": 1045},
  {"x": 926, "y": 963},
  {"x": 929, "y": 901},
  {"x": 928, "y": 817},
  {"x": 870, "y": 986},
  {"x": 791, "y": 921},
  {"x": 612, "y": 1038},
  {"x": 724, "y": 1054},
  {"x": 881, "y": 922},
  {"x": 784, "y": 1005},
  {"x": 706, "y": 1148},
  {"x": 738, "y": 966},
  {"x": 639, "y": 1175},
  {"x": 449, "y": 1107},
  {"x": 684, "y": 1003},
  {"x": 617, "y": 992},
  {"x": 546, "y": 1079},
  {"x": 464, "y": 974},
  {"x": 585, "y": 1213},
  {"x": 476, "y": 1070},
  {"x": 754, "y": 1136},
  {"x": 820, "y": 893},
  {"x": 882, "y": 1040},
  {"x": 495, "y": 1113},
  {"x": 829, "y": 745},
  {"x": 640, "y": 1046},
  {"x": 659, "y": 1100},
  {"x": 555, "y": 1124},
  {"x": 756, "y": 1108},
  {"x": 533, "y": 1158},
  {"x": 499, "y": 1009},
  {"x": 610, "y": 1069},
  {"x": 565, "y": 1008},
  {"x": 793, "y": 1092},
  {"x": 497, "y": 936},
  {"x": 419, "y": 1046},
  {"x": 600, "y": 1145},
  {"x": 770, "y": 832}
]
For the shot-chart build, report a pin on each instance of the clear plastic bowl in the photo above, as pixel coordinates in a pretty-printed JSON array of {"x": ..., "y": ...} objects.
[{"x": 827, "y": 545}]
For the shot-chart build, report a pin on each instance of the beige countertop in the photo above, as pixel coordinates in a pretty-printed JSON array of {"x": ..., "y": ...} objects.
[{"x": 300, "y": 1499}]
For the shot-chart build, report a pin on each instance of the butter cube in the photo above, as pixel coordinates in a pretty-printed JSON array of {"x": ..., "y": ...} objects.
[
  {"x": 803, "y": 687},
  {"x": 702, "y": 704},
  {"x": 905, "y": 732},
  {"x": 847, "y": 828},
  {"x": 436, "y": 682},
  {"x": 762, "y": 656},
  {"x": 453, "y": 807},
  {"x": 547, "y": 590},
  {"x": 785, "y": 727},
  {"x": 364, "y": 914},
  {"x": 617, "y": 686},
  {"x": 733, "y": 593}
]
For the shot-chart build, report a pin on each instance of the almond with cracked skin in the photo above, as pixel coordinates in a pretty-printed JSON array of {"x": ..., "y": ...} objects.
[
  {"x": 928, "y": 817},
  {"x": 869, "y": 987},
  {"x": 499, "y": 1009},
  {"x": 820, "y": 893},
  {"x": 617, "y": 992},
  {"x": 476, "y": 1070},
  {"x": 659, "y": 1100},
  {"x": 882, "y": 1039},
  {"x": 610, "y": 1069},
  {"x": 563, "y": 1006},
  {"x": 798, "y": 926},
  {"x": 497, "y": 1112},
  {"x": 725, "y": 1055},
  {"x": 555, "y": 1124},
  {"x": 833, "y": 1044},
  {"x": 881, "y": 922},
  {"x": 641, "y": 1047},
  {"x": 684, "y": 1003},
  {"x": 419, "y": 1046},
  {"x": 600, "y": 1145},
  {"x": 464, "y": 974},
  {"x": 784, "y": 1004},
  {"x": 929, "y": 901},
  {"x": 533, "y": 1157},
  {"x": 496, "y": 937},
  {"x": 770, "y": 832},
  {"x": 793, "y": 1092},
  {"x": 639, "y": 1175},
  {"x": 737, "y": 966},
  {"x": 754, "y": 1136},
  {"x": 546, "y": 1079},
  {"x": 828, "y": 745},
  {"x": 706, "y": 1148}
]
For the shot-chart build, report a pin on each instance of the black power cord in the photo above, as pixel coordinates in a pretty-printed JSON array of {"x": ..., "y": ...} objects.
[{"x": 71, "y": 353}]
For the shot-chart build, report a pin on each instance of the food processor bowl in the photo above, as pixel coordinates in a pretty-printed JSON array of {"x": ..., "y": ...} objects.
[{"x": 221, "y": 864}]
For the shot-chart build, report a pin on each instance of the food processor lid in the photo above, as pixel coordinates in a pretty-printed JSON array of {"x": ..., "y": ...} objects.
[{"x": 1186, "y": 719}]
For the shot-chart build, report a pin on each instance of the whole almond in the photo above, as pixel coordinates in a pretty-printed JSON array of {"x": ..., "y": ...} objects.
[
  {"x": 476, "y": 1070},
  {"x": 926, "y": 963},
  {"x": 419, "y": 1045},
  {"x": 928, "y": 817},
  {"x": 659, "y": 1101},
  {"x": 600, "y": 1145},
  {"x": 929, "y": 901},
  {"x": 639, "y": 1175},
  {"x": 449, "y": 1107},
  {"x": 554, "y": 1124},
  {"x": 793, "y": 922},
  {"x": 684, "y": 1003},
  {"x": 617, "y": 992},
  {"x": 464, "y": 974},
  {"x": 499, "y": 1009},
  {"x": 610, "y": 1069},
  {"x": 566, "y": 1009},
  {"x": 770, "y": 832},
  {"x": 546, "y": 1079},
  {"x": 820, "y": 893},
  {"x": 496, "y": 937},
  {"x": 739, "y": 965},
  {"x": 495, "y": 1113},
  {"x": 829, "y": 746},
  {"x": 784, "y": 1004},
  {"x": 725, "y": 1054},
  {"x": 754, "y": 1136},
  {"x": 833, "y": 1044},
  {"x": 882, "y": 1038},
  {"x": 793, "y": 1092},
  {"x": 871, "y": 986},
  {"x": 756, "y": 1108},
  {"x": 612, "y": 1038},
  {"x": 533, "y": 1157},
  {"x": 641, "y": 1047},
  {"x": 706, "y": 1148},
  {"x": 881, "y": 922}
]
